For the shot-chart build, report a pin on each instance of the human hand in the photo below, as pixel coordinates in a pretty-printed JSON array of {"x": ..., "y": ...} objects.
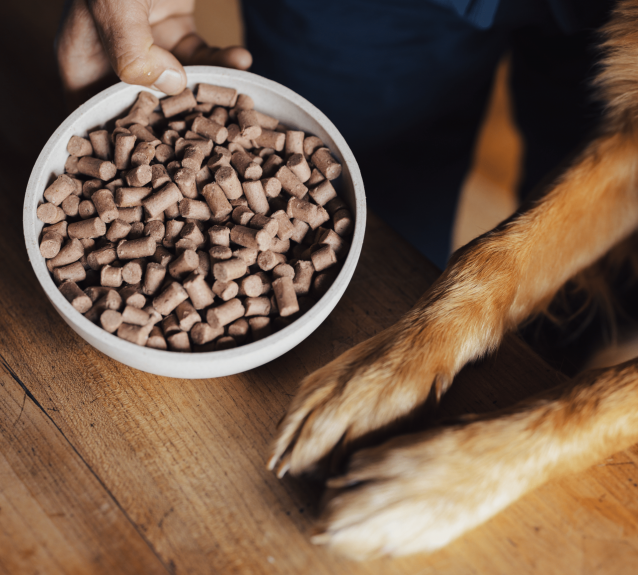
[{"x": 143, "y": 42}]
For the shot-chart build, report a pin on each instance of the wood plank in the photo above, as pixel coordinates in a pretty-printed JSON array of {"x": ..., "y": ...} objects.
[{"x": 55, "y": 514}]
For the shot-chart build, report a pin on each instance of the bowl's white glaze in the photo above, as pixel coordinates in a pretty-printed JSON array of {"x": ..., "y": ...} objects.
[{"x": 270, "y": 98}]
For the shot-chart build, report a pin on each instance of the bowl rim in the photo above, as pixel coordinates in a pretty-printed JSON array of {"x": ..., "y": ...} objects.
[{"x": 33, "y": 196}]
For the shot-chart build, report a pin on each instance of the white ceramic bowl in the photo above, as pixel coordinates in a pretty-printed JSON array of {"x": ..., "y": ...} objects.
[{"x": 271, "y": 98}]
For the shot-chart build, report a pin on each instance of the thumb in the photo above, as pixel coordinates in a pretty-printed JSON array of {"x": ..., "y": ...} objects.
[{"x": 124, "y": 28}]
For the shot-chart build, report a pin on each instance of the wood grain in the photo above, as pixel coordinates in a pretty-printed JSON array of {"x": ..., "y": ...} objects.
[{"x": 107, "y": 469}]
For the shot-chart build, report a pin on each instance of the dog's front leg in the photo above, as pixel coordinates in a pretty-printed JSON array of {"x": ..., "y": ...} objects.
[
  {"x": 419, "y": 492},
  {"x": 490, "y": 286}
]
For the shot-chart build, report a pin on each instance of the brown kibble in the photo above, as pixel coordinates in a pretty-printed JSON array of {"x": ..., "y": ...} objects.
[
  {"x": 210, "y": 129},
  {"x": 187, "y": 315},
  {"x": 70, "y": 205},
  {"x": 111, "y": 276},
  {"x": 161, "y": 200},
  {"x": 271, "y": 139},
  {"x": 193, "y": 158},
  {"x": 242, "y": 215},
  {"x": 133, "y": 333},
  {"x": 230, "y": 269},
  {"x": 132, "y": 271},
  {"x": 141, "y": 111},
  {"x": 238, "y": 330},
  {"x": 101, "y": 257},
  {"x": 321, "y": 218},
  {"x": 227, "y": 179},
  {"x": 326, "y": 164},
  {"x": 74, "y": 272},
  {"x": 71, "y": 165},
  {"x": 60, "y": 189},
  {"x": 283, "y": 270},
  {"x": 124, "y": 144},
  {"x": 50, "y": 213},
  {"x": 173, "y": 229},
  {"x": 170, "y": 298},
  {"x": 323, "y": 193},
  {"x": 226, "y": 342},
  {"x": 272, "y": 187},
  {"x": 249, "y": 124},
  {"x": 135, "y": 316},
  {"x": 202, "y": 333},
  {"x": 101, "y": 144},
  {"x": 256, "y": 197},
  {"x": 130, "y": 215},
  {"x": 153, "y": 278},
  {"x": 302, "y": 210},
  {"x": 271, "y": 165},
  {"x": 310, "y": 145},
  {"x": 290, "y": 182},
  {"x": 225, "y": 313},
  {"x": 219, "y": 236},
  {"x": 179, "y": 342},
  {"x": 249, "y": 255},
  {"x": 133, "y": 249},
  {"x": 185, "y": 180},
  {"x": 75, "y": 296},
  {"x": 251, "y": 238},
  {"x": 342, "y": 223},
  {"x": 72, "y": 251},
  {"x": 268, "y": 259},
  {"x": 131, "y": 295},
  {"x": 285, "y": 295},
  {"x": 170, "y": 325},
  {"x": 79, "y": 147},
  {"x": 51, "y": 244},
  {"x": 257, "y": 306},
  {"x": 105, "y": 205},
  {"x": 219, "y": 115},
  {"x": 143, "y": 154},
  {"x": 316, "y": 177},
  {"x": 156, "y": 230},
  {"x": 302, "y": 281},
  {"x": 246, "y": 167},
  {"x": 177, "y": 104},
  {"x": 156, "y": 339},
  {"x": 184, "y": 264},
  {"x": 217, "y": 95},
  {"x": 299, "y": 166},
  {"x": 86, "y": 209},
  {"x": 96, "y": 168},
  {"x": 91, "y": 228},
  {"x": 59, "y": 228},
  {"x": 266, "y": 121},
  {"x": 261, "y": 222},
  {"x": 294, "y": 142},
  {"x": 251, "y": 286},
  {"x": 199, "y": 291},
  {"x": 260, "y": 327},
  {"x": 111, "y": 320},
  {"x": 164, "y": 154},
  {"x": 194, "y": 209},
  {"x": 139, "y": 176},
  {"x": 225, "y": 290}
]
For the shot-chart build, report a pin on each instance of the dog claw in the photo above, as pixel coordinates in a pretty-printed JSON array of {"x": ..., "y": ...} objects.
[{"x": 284, "y": 466}]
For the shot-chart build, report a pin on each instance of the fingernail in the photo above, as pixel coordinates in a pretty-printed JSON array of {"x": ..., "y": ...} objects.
[{"x": 170, "y": 82}]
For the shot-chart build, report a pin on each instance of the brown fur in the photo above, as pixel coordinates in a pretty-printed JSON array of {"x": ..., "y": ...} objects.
[{"x": 418, "y": 492}]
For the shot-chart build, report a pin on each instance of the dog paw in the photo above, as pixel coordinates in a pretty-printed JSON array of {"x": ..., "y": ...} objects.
[
  {"x": 367, "y": 388},
  {"x": 418, "y": 493}
]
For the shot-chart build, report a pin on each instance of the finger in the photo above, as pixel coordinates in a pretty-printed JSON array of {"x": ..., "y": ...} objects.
[
  {"x": 82, "y": 62},
  {"x": 191, "y": 50},
  {"x": 123, "y": 26}
]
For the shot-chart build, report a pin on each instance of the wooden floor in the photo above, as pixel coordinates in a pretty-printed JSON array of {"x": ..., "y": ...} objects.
[{"x": 105, "y": 469}]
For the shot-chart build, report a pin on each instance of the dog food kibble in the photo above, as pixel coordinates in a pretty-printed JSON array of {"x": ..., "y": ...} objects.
[{"x": 197, "y": 224}]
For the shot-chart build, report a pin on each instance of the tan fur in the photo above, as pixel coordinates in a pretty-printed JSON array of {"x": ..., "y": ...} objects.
[{"x": 417, "y": 493}]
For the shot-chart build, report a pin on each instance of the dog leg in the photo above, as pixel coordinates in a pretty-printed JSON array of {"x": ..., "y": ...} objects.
[
  {"x": 490, "y": 286},
  {"x": 419, "y": 492}
]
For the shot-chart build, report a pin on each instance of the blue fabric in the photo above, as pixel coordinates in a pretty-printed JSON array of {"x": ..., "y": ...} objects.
[{"x": 406, "y": 83}]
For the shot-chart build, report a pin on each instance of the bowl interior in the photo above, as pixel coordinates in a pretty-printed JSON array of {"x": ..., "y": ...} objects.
[{"x": 270, "y": 98}]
